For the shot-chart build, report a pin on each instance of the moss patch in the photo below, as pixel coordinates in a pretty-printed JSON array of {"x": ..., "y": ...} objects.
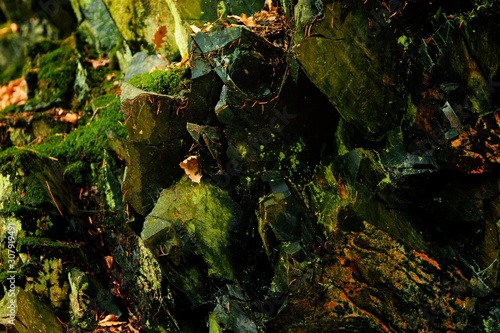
[
  {"x": 168, "y": 82},
  {"x": 89, "y": 141},
  {"x": 53, "y": 76}
]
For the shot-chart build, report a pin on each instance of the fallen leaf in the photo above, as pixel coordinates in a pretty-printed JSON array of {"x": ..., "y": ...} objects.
[
  {"x": 247, "y": 21},
  {"x": 159, "y": 36},
  {"x": 13, "y": 93},
  {"x": 191, "y": 168},
  {"x": 194, "y": 28},
  {"x": 109, "y": 261},
  {"x": 99, "y": 62},
  {"x": 70, "y": 118},
  {"x": 109, "y": 320}
]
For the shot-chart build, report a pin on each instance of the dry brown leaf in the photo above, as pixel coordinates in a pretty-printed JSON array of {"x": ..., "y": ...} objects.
[
  {"x": 13, "y": 93},
  {"x": 194, "y": 28},
  {"x": 270, "y": 7},
  {"x": 110, "y": 320},
  {"x": 99, "y": 62},
  {"x": 109, "y": 261},
  {"x": 159, "y": 36},
  {"x": 70, "y": 118},
  {"x": 248, "y": 21},
  {"x": 191, "y": 168},
  {"x": 243, "y": 18}
]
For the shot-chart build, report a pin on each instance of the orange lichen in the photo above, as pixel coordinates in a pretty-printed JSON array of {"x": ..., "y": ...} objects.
[{"x": 425, "y": 258}]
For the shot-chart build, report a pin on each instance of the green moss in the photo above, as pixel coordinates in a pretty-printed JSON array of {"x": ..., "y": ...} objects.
[
  {"x": 42, "y": 47},
  {"x": 89, "y": 141},
  {"x": 35, "y": 193},
  {"x": 76, "y": 172},
  {"x": 168, "y": 82},
  {"x": 44, "y": 242},
  {"x": 56, "y": 75}
]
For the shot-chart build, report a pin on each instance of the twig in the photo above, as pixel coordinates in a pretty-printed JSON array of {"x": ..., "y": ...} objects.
[{"x": 53, "y": 200}]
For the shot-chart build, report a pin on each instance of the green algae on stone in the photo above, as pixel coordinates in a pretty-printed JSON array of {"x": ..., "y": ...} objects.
[
  {"x": 190, "y": 232},
  {"x": 344, "y": 193}
]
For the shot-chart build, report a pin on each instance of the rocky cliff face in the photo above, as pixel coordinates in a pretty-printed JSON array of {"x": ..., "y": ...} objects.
[{"x": 306, "y": 166}]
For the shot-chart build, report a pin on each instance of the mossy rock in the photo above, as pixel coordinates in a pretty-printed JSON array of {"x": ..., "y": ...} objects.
[
  {"x": 52, "y": 76},
  {"x": 31, "y": 316},
  {"x": 345, "y": 62},
  {"x": 190, "y": 232}
]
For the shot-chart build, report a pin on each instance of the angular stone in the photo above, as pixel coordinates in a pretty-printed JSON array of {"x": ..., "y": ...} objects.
[
  {"x": 96, "y": 25},
  {"x": 354, "y": 66},
  {"x": 158, "y": 139},
  {"x": 190, "y": 233},
  {"x": 343, "y": 194}
]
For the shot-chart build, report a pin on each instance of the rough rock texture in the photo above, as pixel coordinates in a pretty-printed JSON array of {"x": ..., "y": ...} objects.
[
  {"x": 193, "y": 223},
  {"x": 365, "y": 281},
  {"x": 31, "y": 314},
  {"x": 356, "y": 72}
]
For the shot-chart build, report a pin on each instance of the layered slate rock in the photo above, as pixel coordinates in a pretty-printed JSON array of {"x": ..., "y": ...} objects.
[{"x": 157, "y": 143}]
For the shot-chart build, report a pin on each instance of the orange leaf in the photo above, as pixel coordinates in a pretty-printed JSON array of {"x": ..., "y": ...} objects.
[
  {"x": 191, "y": 168},
  {"x": 158, "y": 36}
]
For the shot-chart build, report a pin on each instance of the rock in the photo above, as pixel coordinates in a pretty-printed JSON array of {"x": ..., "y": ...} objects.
[
  {"x": 343, "y": 194},
  {"x": 265, "y": 116},
  {"x": 31, "y": 315},
  {"x": 158, "y": 141},
  {"x": 340, "y": 56},
  {"x": 137, "y": 273},
  {"x": 368, "y": 282},
  {"x": 138, "y": 22},
  {"x": 96, "y": 26},
  {"x": 190, "y": 231},
  {"x": 284, "y": 221},
  {"x": 141, "y": 62}
]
